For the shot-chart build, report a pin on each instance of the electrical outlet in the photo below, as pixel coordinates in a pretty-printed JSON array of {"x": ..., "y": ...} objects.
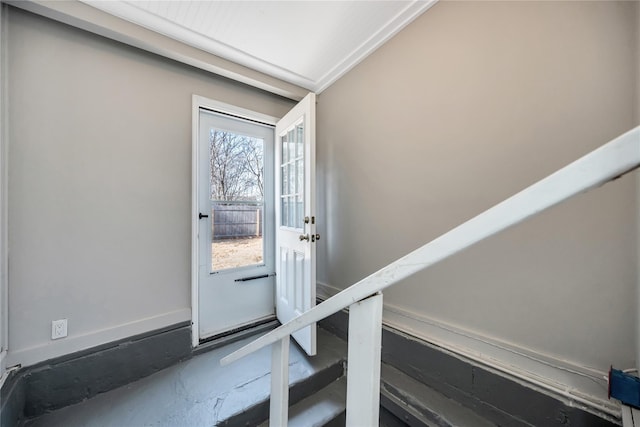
[{"x": 58, "y": 329}]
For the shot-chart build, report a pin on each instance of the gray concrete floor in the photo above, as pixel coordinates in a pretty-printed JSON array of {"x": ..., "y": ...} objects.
[{"x": 197, "y": 392}]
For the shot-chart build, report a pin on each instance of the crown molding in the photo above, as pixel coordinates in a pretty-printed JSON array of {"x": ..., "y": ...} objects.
[{"x": 133, "y": 14}]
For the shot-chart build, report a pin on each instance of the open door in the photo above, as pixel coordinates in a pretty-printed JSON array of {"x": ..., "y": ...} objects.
[{"x": 295, "y": 218}]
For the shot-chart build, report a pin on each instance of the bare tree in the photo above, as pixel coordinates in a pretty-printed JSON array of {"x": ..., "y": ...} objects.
[
  {"x": 254, "y": 164},
  {"x": 237, "y": 166}
]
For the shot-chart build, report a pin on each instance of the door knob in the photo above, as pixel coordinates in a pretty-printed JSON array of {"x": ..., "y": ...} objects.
[
  {"x": 304, "y": 237},
  {"x": 317, "y": 237},
  {"x": 201, "y": 215}
]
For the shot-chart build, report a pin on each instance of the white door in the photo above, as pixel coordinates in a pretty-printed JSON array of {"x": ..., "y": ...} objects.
[
  {"x": 295, "y": 218},
  {"x": 236, "y": 218}
]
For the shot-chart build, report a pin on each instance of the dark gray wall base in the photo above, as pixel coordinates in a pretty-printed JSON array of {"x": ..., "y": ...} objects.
[
  {"x": 337, "y": 324},
  {"x": 12, "y": 399},
  {"x": 79, "y": 376},
  {"x": 72, "y": 378},
  {"x": 493, "y": 396},
  {"x": 388, "y": 418}
]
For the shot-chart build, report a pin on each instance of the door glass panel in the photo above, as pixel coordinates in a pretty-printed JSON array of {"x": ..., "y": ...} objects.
[
  {"x": 237, "y": 199},
  {"x": 285, "y": 149},
  {"x": 300, "y": 141},
  {"x": 291, "y": 139},
  {"x": 285, "y": 180},
  {"x": 300, "y": 209},
  {"x": 292, "y": 177},
  {"x": 284, "y": 209},
  {"x": 292, "y": 212},
  {"x": 300, "y": 176}
]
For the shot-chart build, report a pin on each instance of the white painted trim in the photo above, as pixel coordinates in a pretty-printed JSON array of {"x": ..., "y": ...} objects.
[
  {"x": 576, "y": 385},
  {"x": 364, "y": 353},
  {"x": 627, "y": 417},
  {"x": 195, "y": 253},
  {"x": 4, "y": 186},
  {"x": 279, "y": 401},
  {"x": 71, "y": 344},
  {"x": 88, "y": 18},
  {"x": 613, "y": 159},
  {"x": 233, "y": 110},
  {"x": 401, "y": 20},
  {"x": 198, "y": 102}
]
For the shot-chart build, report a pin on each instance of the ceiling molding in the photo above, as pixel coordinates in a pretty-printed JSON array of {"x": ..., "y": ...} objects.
[
  {"x": 175, "y": 31},
  {"x": 337, "y": 42},
  {"x": 394, "y": 25},
  {"x": 137, "y": 14}
]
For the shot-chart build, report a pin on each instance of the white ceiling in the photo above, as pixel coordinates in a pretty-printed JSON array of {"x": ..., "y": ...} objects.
[{"x": 308, "y": 43}]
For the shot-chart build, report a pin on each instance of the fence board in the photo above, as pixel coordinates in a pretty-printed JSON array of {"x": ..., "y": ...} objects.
[{"x": 236, "y": 220}]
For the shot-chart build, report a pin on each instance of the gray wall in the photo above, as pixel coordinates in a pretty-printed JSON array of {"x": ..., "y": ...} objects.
[
  {"x": 99, "y": 185},
  {"x": 469, "y": 104}
]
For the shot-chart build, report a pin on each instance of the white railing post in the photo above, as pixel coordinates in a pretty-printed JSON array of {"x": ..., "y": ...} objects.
[
  {"x": 363, "y": 362},
  {"x": 279, "y": 404}
]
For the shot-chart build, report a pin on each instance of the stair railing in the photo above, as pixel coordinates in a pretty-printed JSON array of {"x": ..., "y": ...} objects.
[{"x": 364, "y": 299}]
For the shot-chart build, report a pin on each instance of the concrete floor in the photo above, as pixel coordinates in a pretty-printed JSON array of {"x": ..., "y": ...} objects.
[{"x": 197, "y": 392}]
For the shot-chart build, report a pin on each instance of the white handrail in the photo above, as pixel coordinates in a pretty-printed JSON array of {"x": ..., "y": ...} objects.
[{"x": 602, "y": 165}]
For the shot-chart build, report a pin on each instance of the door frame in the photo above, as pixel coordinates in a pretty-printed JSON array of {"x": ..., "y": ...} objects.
[{"x": 198, "y": 102}]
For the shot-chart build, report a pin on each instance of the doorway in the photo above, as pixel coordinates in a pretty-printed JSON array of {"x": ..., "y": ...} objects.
[
  {"x": 253, "y": 217},
  {"x": 235, "y": 217}
]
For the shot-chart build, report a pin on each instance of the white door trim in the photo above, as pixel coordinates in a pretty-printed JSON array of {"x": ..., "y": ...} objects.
[{"x": 221, "y": 107}]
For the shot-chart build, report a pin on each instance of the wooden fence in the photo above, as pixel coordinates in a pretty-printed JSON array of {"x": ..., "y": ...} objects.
[{"x": 236, "y": 220}]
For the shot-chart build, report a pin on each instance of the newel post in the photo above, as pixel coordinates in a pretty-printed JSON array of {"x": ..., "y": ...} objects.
[
  {"x": 363, "y": 362},
  {"x": 279, "y": 403}
]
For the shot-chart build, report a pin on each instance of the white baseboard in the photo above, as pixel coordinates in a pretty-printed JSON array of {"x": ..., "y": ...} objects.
[
  {"x": 48, "y": 350},
  {"x": 576, "y": 385}
]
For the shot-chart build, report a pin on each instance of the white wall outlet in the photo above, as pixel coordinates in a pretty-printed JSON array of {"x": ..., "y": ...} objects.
[{"x": 58, "y": 329}]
